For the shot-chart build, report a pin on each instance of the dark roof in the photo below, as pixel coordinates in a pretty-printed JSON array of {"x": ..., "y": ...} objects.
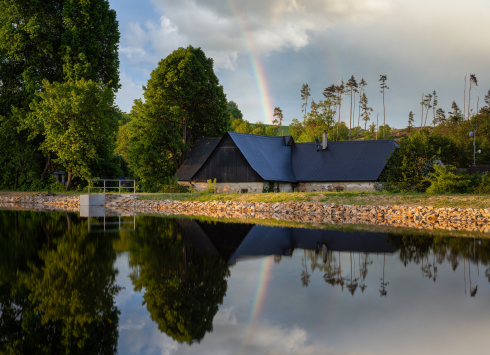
[
  {"x": 268, "y": 156},
  {"x": 199, "y": 153},
  {"x": 341, "y": 161},
  {"x": 288, "y": 140}
]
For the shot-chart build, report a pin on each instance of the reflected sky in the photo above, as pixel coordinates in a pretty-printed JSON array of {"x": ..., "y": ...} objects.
[
  {"x": 417, "y": 314},
  {"x": 174, "y": 286}
]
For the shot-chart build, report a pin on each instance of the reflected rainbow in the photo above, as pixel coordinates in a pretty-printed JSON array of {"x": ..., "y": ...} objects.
[{"x": 260, "y": 292}]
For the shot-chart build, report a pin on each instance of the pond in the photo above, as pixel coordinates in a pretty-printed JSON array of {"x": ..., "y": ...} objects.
[{"x": 160, "y": 285}]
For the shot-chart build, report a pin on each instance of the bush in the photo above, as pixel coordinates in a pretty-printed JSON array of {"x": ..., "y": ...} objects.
[
  {"x": 210, "y": 189},
  {"x": 444, "y": 181},
  {"x": 169, "y": 189},
  {"x": 483, "y": 184}
]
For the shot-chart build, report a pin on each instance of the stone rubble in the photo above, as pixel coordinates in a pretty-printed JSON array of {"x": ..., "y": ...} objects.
[
  {"x": 451, "y": 218},
  {"x": 41, "y": 202}
]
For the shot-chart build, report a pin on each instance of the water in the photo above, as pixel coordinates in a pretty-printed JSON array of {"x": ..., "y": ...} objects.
[{"x": 153, "y": 285}]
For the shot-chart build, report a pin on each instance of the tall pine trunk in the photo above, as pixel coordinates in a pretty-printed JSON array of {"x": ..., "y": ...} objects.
[
  {"x": 464, "y": 98},
  {"x": 422, "y": 115},
  {"x": 384, "y": 113},
  {"x": 350, "y": 115}
]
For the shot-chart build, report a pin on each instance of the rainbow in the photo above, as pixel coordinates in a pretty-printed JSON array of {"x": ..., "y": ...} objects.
[
  {"x": 258, "y": 302},
  {"x": 257, "y": 68}
]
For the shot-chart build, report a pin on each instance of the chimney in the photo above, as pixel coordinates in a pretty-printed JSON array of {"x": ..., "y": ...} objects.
[{"x": 324, "y": 140}]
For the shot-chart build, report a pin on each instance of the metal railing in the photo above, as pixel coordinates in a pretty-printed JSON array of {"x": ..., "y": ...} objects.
[{"x": 112, "y": 187}]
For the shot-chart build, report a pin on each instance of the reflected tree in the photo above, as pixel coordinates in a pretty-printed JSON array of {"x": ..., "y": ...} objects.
[{"x": 182, "y": 287}]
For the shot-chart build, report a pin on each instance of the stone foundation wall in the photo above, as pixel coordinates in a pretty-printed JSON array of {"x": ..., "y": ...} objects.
[
  {"x": 467, "y": 219},
  {"x": 229, "y": 187},
  {"x": 332, "y": 186}
]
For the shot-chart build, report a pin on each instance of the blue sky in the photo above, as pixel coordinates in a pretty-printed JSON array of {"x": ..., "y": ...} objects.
[{"x": 420, "y": 45}]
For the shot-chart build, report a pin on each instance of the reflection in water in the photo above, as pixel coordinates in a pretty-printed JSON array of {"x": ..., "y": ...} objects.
[
  {"x": 57, "y": 286},
  {"x": 183, "y": 285},
  {"x": 57, "y": 280}
]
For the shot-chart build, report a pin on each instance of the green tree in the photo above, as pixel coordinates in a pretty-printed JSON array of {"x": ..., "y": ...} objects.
[
  {"x": 305, "y": 93},
  {"x": 233, "y": 111},
  {"x": 362, "y": 85},
  {"x": 366, "y": 111},
  {"x": 183, "y": 101},
  {"x": 54, "y": 41},
  {"x": 278, "y": 118},
  {"x": 410, "y": 121},
  {"x": 340, "y": 91},
  {"x": 78, "y": 122},
  {"x": 473, "y": 82},
  {"x": 384, "y": 87},
  {"x": 352, "y": 86}
]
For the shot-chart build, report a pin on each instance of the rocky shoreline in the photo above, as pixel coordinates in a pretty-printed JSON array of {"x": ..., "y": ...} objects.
[{"x": 466, "y": 219}]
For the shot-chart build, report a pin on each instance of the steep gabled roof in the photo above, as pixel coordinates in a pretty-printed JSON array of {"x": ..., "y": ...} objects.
[
  {"x": 341, "y": 161},
  {"x": 268, "y": 156},
  {"x": 196, "y": 157}
]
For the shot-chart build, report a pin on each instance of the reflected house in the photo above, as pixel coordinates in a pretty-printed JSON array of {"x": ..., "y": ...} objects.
[
  {"x": 242, "y": 241},
  {"x": 249, "y": 163}
]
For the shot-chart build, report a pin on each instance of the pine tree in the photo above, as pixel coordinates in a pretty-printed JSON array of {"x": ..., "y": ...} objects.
[
  {"x": 473, "y": 82},
  {"x": 352, "y": 85},
  {"x": 410, "y": 121},
  {"x": 383, "y": 86},
  {"x": 428, "y": 105},
  {"x": 305, "y": 93},
  {"x": 487, "y": 100},
  {"x": 440, "y": 115},
  {"x": 422, "y": 115},
  {"x": 340, "y": 90},
  {"x": 362, "y": 85},
  {"x": 434, "y": 105},
  {"x": 366, "y": 111},
  {"x": 278, "y": 118}
]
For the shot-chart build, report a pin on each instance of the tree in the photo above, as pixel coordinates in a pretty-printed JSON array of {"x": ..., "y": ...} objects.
[
  {"x": 383, "y": 86},
  {"x": 440, "y": 116},
  {"x": 434, "y": 105},
  {"x": 487, "y": 99},
  {"x": 428, "y": 105},
  {"x": 352, "y": 85},
  {"x": 362, "y": 85},
  {"x": 278, "y": 118},
  {"x": 305, "y": 93},
  {"x": 473, "y": 82},
  {"x": 78, "y": 121},
  {"x": 366, "y": 111},
  {"x": 55, "y": 41},
  {"x": 232, "y": 110},
  {"x": 183, "y": 101},
  {"x": 410, "y": 121},
  {"x": 340, "y": 91}
]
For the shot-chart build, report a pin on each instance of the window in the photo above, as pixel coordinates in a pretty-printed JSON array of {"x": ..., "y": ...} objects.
[{"x": 339, "y": 189}]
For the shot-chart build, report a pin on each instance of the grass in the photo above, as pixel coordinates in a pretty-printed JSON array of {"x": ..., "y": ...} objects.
[{"x": 345, "y": 198}]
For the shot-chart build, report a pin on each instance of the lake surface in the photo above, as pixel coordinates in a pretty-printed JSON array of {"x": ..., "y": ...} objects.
[{"x": 159, "y": 285}]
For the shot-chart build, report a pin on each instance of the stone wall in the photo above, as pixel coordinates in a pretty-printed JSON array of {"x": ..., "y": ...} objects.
[
  {"x": 42, "y": 202},
  {"x": 467, "y": 219},
  {"x": 229, "y": 187},
  {"x": 332, "y": 186}
]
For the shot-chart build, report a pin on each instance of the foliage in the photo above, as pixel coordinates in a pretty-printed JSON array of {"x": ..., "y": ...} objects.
[
  {"x": 211, "y": 187},
  {"x": 183, "y": 101},
  {"x": 319, "y": 119},
  {"x": 443, "y": 181},
  {"x": 57, "y": 290},
  {"x": 78, "y": 122},
  {"x": 409, "y": 164},
  {"x": 182, "y": 288},
  {"x": 47, "y": 40},
  {"x": 269, "y": 187},
  {"x": 232, "y": 110}
]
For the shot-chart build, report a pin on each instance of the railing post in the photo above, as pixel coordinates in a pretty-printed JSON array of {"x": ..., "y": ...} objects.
[
  {"x": 119, "y": 187},
  {"x": 89, "y": 191},
  {"x": 134, "y": 187},
  {"x": 104, "y": 191}
]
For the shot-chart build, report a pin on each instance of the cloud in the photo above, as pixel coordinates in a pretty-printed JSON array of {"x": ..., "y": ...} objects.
[
  {"x": 128, "y": 92},
  {"x": 225, "y": 31}
]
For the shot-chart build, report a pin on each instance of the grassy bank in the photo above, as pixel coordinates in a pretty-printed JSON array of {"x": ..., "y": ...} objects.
[{"x": 346, "y": 198}]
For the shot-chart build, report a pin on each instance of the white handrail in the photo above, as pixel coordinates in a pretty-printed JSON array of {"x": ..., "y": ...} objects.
[{"x": 109, "y": 187}]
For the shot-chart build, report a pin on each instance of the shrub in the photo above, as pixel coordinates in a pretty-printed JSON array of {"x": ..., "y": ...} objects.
[
  {"x": 444, "y": 181},
  {"x": 210, "y": 189}
]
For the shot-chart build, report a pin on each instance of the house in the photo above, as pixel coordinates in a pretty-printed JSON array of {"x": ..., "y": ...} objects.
[{"x": 249, "y": 163}]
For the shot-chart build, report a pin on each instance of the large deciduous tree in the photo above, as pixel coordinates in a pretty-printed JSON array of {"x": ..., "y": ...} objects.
[
  {"x": 54, "y": 40},
  {"x": 78, "y": 122},
  {"x": 183, "y": 101}
]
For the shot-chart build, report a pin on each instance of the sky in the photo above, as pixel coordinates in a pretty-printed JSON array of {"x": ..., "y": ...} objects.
[{"x": 264, "y": 51}]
